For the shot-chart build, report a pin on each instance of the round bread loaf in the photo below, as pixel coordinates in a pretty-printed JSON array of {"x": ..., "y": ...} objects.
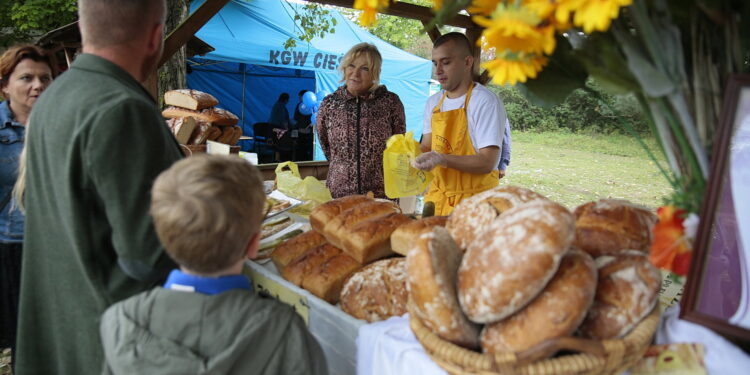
[
  {"x": 512, "y": 260},
  {"x": 472, "y": 215},
  {"x": 376, "y": 292},
  {"x": 609, "y": 226},
  {"x": 556, "y": 312},
  {"x": 403, "y": 238},
  {"x": 627, "y": 292},
  {"x": 431, "y": 265}
]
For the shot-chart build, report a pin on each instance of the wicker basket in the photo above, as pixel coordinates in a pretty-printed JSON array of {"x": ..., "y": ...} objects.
[{"x": 596, "y": 357}]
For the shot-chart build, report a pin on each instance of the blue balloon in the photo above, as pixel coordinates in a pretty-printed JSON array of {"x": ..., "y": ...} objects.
[
  {"x": 305, "y": 109},
  {"x": 322, "y": 94},
  {"x": 316, "y": 107},
  {"x": 309, "y": 99},
  {"x": 314, "y": 118}
]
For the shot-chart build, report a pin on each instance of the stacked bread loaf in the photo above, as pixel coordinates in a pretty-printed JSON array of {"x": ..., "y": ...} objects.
[
  {"x": 194, "y": 119},
  {"x": 512, "y": 269},
  {"x": 347, "y": 234}
]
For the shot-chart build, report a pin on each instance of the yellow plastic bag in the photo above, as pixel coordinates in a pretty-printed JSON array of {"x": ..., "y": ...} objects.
[
  {"x": 309, "y": 189},
  {"x": 401, "y": 179}
]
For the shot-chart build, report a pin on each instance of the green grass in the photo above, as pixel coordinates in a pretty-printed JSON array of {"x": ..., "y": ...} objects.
[{"x": 576, "y": 168}]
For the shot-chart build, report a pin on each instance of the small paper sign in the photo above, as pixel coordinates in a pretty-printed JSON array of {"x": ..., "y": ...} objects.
[
  {"x": 216, "y": 148},
  {"x": 263, "y": 285}
]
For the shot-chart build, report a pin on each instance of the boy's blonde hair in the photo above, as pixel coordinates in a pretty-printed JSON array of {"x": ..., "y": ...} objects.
[
  {"x": 206, "y": 209},
  {"x": 371, "y": 54}
]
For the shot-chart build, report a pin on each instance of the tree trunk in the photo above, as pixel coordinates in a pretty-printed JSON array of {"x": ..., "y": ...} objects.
[{"x": 172, "y": 74}]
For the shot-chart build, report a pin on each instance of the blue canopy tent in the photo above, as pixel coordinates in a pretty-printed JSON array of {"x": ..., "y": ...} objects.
[{"x": 250, "y": 67}]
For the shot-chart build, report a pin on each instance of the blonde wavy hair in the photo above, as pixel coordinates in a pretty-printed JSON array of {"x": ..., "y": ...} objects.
[{"x": 371, "y": 54}]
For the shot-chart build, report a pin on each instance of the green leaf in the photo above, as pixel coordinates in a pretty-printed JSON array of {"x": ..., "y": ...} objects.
[{"x": 558, "y": 79}]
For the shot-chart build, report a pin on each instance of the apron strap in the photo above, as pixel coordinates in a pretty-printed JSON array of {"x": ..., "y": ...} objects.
[{"x": 445, "y": 93}]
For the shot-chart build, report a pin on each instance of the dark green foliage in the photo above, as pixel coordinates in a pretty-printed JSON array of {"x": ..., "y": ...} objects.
[
  {"x": 580, "y": 112},
  {"x": 25, "y": 20}
]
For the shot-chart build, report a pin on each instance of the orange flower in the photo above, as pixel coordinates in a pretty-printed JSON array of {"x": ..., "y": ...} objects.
[{"x": 671, "y": 249}]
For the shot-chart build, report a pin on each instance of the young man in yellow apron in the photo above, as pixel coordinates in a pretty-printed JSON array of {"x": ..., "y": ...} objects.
[{"x": 463, "y": 128}]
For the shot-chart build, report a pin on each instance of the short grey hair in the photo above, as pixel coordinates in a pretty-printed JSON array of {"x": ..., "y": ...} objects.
[{"x": 114, "y": 22}]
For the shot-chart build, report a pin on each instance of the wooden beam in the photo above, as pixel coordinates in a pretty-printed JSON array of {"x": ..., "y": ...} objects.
[
  {"x": 180, "y": 36},
  {"x": 434, "y": 33},
  {"x": 407, "y": 10},
  {"x": 473, "y": 34}
]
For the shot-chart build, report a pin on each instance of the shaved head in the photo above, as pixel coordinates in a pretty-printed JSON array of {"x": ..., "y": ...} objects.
[
  {"x": 106, "y": 23},
  {"x": 460, "y": 42}
]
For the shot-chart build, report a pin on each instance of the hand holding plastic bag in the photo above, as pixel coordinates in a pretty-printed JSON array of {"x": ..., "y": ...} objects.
[
  {"x": 401, "y": 179},
  {"x": 309, "y": 189}
]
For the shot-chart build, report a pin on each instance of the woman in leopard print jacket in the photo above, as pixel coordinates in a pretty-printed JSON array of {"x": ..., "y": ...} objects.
[{"x": 355, "y": 122}]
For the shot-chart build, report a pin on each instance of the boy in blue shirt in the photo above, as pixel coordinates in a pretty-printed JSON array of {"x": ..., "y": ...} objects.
[{"x": 207, "y": 211}]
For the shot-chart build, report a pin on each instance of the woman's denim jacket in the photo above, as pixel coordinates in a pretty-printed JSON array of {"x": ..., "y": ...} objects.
[{"x": 11, "y": 139}]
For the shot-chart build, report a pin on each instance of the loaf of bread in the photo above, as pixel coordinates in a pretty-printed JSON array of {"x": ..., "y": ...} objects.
[
  {"x": 236, "y": 137},
  {"x": 215, "y": 116},
  {"x": 514, "y": 258},
  {"x": 627, "y": 292},
  {"x": 189, "y": 99},
  {"x": 609, "y": 226},
  {"x": 472, "y": 215},
  {"x": 339, "y": 227},
  {"x": 203, "y": 132},
  {"x": 182, "y": 128},
  {"x": 229, "y": 135},
  {"x": 370, "y": 240},
  {"x": 376, "y": 292},
  {"x": 324, "y": 213},
  {"x": 295, "y": 247},
  {"x": 431, "y": 265},
  {"x": 404, "y": 237},
  {"x": 326, "y": 279},
  {"x": 295, "y": 271},
  {"x": 556, "y": 312}
]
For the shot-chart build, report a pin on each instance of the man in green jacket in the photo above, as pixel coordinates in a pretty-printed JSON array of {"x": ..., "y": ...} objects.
[
  {"x": 96, "y": 142},
  {"x": 206, "y": 319}
]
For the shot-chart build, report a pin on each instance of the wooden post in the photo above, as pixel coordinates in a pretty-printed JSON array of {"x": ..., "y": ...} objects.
[
  {"x": 434, "y": 33},
  {"x": 474, "y": 34}
]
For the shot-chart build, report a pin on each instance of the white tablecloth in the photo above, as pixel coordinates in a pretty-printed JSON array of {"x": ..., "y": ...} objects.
[{"x": 389, "y": 347}]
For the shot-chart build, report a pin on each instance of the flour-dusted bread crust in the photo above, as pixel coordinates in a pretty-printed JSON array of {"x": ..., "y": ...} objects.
[
  {"x": 295, "y": 247},
  {"x": 556, "y": 312},
  {"x": 627, "y": 292},
  {"x": 214, "y": 116},
  {"x": 321, "y": 215},
  {"x": 339, "y": 227},
  {"x": 189, "y": 99},
  {"x": 404, "y": 237},
  {"x": 472, "y": 215},
  {"x": 510, "y": 262},
  {"x": 432, "y": 264},
  {"x": 326, "y": 279},
  {"x": 609, "y": 226},
  {"x": 376, "y": 292},
  {"x": 296, "y": 271}
]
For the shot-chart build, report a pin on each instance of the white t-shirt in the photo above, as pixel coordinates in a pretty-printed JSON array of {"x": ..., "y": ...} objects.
[{"x": 486, "y": 115}]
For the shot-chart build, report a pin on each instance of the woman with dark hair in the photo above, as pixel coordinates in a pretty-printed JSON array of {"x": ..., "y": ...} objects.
[
  {"x": 355, "y": 122},
  {"x": 25, "y": 71}
]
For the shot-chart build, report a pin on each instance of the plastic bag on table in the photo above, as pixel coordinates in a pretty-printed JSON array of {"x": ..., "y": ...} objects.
[
  {"x": 401, "y": 179},
  {"x": 307, "y": 189}
]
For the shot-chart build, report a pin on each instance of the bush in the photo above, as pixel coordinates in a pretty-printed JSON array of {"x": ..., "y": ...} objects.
[{"x": 580, "y": 113}]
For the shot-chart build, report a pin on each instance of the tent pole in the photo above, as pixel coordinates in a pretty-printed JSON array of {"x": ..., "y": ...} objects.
[{"x": 243, "y": 97}]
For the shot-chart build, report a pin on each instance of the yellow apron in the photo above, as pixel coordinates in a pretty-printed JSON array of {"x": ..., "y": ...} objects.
[{"x": 450, "y": 135}]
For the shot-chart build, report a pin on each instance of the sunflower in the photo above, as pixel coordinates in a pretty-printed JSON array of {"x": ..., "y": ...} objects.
[
  {"x": 515, "y": 29},
  {"x": 543, "y": 8},
  {"x": 597, "y": 15},
  {"x": 482, "y": 7},
  {"x": 511, "y": 70},
  {"x": 370, "y": 9}
]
